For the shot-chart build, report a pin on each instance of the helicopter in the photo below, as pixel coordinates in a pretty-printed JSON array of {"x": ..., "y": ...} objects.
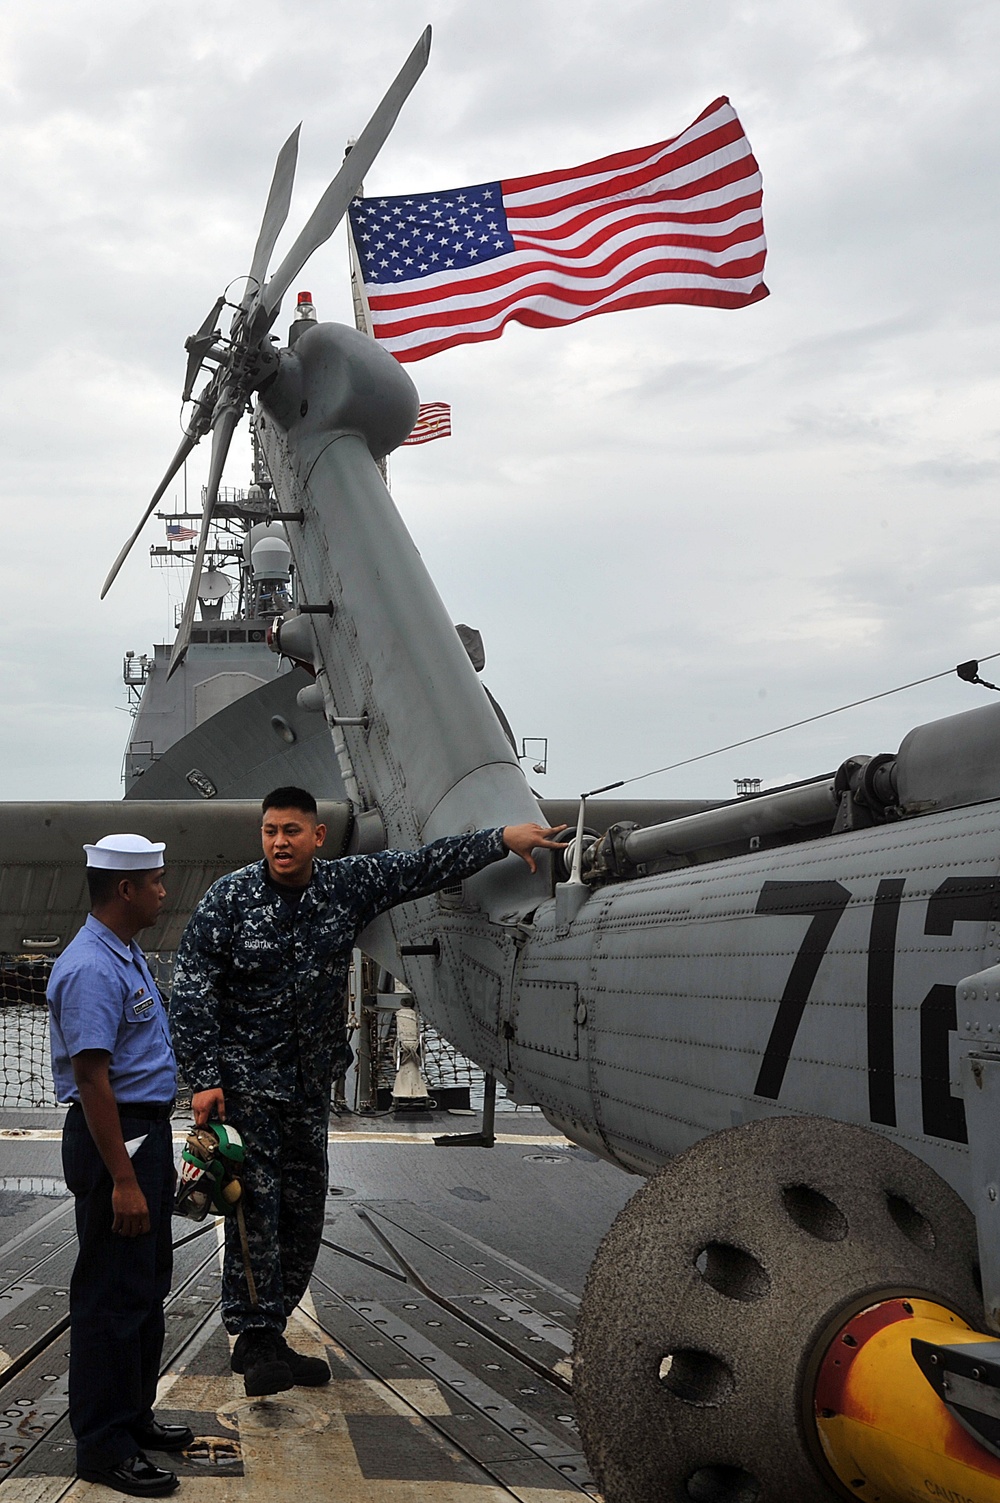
[{"x": 784, "y": 1012}]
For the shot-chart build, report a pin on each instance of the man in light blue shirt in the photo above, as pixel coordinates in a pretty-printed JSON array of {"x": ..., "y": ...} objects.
[{"x": 113, "y": 1061}]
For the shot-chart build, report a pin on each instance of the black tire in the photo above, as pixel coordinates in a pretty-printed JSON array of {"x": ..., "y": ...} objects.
[{"x": 736, "y": 1263}]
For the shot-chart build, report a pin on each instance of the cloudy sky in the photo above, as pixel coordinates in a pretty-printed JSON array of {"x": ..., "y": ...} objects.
[{"x": 675, "y": 527}]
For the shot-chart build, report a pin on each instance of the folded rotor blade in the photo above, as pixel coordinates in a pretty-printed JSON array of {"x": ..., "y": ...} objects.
[
  {"x": 225, "y": 427},
  {"x": 198, "y": 346},
  {"x": 335, "y": 201},
  {"x": 187, "y": 444},
  {"x": 275, "y": 214}
]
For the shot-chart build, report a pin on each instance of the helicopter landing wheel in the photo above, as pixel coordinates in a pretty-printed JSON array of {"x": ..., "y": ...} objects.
[{"x": 714, "y": 1295}]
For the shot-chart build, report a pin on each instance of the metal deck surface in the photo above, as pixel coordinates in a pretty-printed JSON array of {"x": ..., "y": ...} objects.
[{"x": 444, "y": 1300}]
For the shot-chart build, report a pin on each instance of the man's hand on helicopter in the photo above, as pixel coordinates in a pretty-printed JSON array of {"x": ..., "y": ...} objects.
[
  {"x": 523, "y": 839},
  {"x": 205, "y": 1104}
]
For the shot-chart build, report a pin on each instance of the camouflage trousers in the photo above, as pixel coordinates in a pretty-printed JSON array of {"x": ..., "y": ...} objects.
[{"x": 284, "y": 1203}]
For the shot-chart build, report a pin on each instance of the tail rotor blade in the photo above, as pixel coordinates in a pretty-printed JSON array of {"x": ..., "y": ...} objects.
[
  {"x": 335, "y": 201},
  {"x": 198, "y": 346},
  {"x": 225, "y": 427},
  {"x": 187, "y": 444},
  {"x": 275, "y": 214}
]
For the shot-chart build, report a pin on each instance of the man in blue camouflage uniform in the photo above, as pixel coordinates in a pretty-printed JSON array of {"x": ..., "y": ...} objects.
[{"x": 259, "y": 1026}]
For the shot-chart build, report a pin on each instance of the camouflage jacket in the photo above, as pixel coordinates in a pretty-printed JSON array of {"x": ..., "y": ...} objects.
[{"x": 259, "y": 988}]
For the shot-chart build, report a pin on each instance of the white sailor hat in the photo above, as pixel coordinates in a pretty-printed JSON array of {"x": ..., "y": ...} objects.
[{"x": 126, "y": 853}]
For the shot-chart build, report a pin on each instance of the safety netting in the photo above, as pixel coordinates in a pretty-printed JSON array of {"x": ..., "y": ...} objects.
[
  {"x": 25, "y": 1076},
  {"x": 25, "y": 1070},
  {"x": 25, "y": 1067}
]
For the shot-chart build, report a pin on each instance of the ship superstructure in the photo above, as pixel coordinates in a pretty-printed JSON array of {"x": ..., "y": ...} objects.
[{"x": 247, "y": 581}]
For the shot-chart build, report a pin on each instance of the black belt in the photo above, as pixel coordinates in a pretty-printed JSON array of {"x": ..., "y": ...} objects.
[{"x": 146, "y": 1111}]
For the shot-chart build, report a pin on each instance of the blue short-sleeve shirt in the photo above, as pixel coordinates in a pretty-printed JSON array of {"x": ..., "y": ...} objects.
[{"x": 101, "y": 996}]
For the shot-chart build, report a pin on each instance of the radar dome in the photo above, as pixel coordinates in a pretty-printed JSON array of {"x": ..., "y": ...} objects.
[
  {"x": 270, "y": 558},
  {"x": 262, "y": 530}
]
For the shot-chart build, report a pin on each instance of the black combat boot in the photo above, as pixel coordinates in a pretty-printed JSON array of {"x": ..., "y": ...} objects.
[
  {"x": 259, "y": 1356},
  {"x": 307, "y": 1372}
]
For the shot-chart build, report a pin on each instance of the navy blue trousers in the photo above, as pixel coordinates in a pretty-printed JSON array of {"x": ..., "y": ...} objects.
[
  {"x": 116, "y": 1293},
  {"x": 285, "y": 1180}
]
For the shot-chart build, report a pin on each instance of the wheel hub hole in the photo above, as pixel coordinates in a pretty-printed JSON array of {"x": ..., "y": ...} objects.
[
  {"x": 732, "y": 1271},
  {"x": 913, "y": 1225},
  {"x": 814, "y": 1213},
  {"x": 696, "y": 1377},
  {"x": 723, "y": 1484}
]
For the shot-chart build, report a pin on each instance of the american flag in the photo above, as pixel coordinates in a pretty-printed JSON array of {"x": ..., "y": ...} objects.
[
  {"x": 433, "y": 421},
  {"x": 177, "y": 533},
  {"x": 678, "y": 222}
]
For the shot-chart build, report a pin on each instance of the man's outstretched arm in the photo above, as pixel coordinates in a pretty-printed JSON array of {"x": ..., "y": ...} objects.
[{"x": 381, "y": 881}]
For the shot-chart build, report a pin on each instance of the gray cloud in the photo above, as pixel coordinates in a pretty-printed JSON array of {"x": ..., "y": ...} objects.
[{"x": 775, "y": 511}]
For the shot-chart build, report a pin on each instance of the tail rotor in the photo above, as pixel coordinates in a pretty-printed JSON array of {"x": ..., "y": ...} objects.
[{"x": 242, "y": 361}]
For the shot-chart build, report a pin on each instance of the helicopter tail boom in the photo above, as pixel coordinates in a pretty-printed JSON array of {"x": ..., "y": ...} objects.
[{"x": 422, "y": 737}]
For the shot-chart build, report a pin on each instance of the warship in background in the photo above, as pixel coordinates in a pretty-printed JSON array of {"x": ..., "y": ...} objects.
[{"x": 248, "y": 581}]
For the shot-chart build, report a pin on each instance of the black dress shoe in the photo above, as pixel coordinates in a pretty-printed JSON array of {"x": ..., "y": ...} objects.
[
  {"x": 157, "y": 1437},
  {"x": 135, "y": 1475}
]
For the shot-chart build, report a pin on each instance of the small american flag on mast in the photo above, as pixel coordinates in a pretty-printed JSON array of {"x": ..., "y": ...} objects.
[
  {"x": 677, "y": 222},
  {"x": 178, "y": 533},
  {"x": 433, "y": 421}
]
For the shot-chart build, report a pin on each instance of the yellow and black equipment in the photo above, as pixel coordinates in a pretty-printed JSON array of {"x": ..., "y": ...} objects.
[{"x": 907, "y": 1405}]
